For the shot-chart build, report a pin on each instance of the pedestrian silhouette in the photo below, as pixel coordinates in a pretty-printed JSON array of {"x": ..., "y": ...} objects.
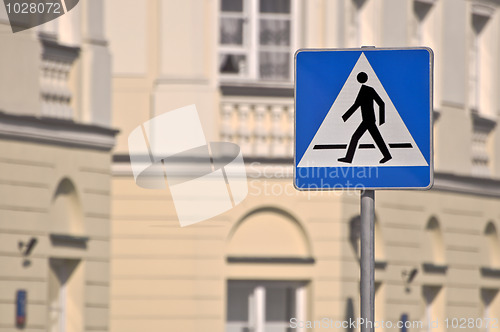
[{"x": 366, "y": 96}]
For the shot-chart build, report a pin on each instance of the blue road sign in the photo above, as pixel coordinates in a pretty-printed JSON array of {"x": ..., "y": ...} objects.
[{"x": 363, "y": 119}]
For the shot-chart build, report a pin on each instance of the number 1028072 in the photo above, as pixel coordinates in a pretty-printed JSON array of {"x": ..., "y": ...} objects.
[{"x": 34, "y": 8}]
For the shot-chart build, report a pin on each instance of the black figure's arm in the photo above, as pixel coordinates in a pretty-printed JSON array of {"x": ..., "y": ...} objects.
[
  {"x": 381, "y": 106},
  {"x": 351, "y": 110}
]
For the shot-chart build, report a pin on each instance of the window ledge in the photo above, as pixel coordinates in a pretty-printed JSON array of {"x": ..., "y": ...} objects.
[
  {"x": 484, "y": 122},
  {"x": 66, "y": 240},
  {"x": 492, "y": 272},
  {"x": 429, "y": 2},
  {"x": 257, "y": 89},
  {"x": 434, "y": 268},
  {"x": 272, "y": 260}
]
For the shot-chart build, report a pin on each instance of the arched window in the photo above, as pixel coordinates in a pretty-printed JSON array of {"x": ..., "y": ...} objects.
[
  {"x": 427, "y": 23},
  {"x": 364, "y": 20},
  {"x": 492, "y": 245},
  {"x": 379, "y": 242},
  {"x": 355, "y": 237},
  {"x": 259, "y": 301},
  {"x": 427, "y": 32},
  {"x": 434, "y": 307},
  {"x": 435, "y": 244},
  {"x": 490, "y": 301},
  {"x": 66, "y": 215},
  {"x": 66, "y": 294},
  {"x": 268, "y": 233},
  {"x": 66, "y": 276}
]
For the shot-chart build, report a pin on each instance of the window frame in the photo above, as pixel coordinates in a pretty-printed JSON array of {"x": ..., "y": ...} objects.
[
  {"x": 251, "y": 45},
  {"x": 258, "y": 295}
]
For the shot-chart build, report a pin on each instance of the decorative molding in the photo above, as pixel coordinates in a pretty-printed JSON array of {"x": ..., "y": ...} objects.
[
  {"x": 55, "y": 90},
  {"x": 482, "y": 9},
  {"x": 271, "y": 260},
  {"x": 275, "y": 162},
  {"x": 56, "y": 131},
  {"x": 482, "y": 126},
  {"x": 466, "y": 184},
  {"x": 263, "y": 127},
  {"x": 52, "y": 49},
  {"x": 483, "y": 122},
  {"x": 280, "y": 168}
]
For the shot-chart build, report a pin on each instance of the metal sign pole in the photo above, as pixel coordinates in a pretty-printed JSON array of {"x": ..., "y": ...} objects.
[{"x": 367, "y": 263}]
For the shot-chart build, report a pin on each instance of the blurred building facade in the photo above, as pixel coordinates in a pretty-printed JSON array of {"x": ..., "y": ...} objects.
[
  {"x": 283, "y": 254},
  {"x": 55, "y": 143}
]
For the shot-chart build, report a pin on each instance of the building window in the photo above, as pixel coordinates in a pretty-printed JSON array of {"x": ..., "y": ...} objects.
[
  {"x": 482, "y": 55},
  {"x": 357, "y": 22},
  {"x": 364, "y": 23},
  {"x": 424, "y": 33},
  {"x": 491, "y": 304},
  {"x": 481, "y": 59},
  {"x": 260, "y": 306},
  {"x": 256, "y": 39},
  {"x": 435, "y": 242},
  {"x": 427, "y": 32},
  {"x": 476, "y": 53},
  {"x": 66, "y": 295},
  {"x": 434, "y": 308},
  {"x": 493, "y": 245},
  {"x": 355, "y": 238}
]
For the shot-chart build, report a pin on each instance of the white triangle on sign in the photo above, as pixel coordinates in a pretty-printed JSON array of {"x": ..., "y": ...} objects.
[{"x": 333, "y": 136}]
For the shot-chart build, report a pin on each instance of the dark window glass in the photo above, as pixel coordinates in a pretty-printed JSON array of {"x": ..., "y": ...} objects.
[
  {"x": 275, "y": 6},
  {"x": 232, "y": 6},
  {"x": 232, "y": 63}
]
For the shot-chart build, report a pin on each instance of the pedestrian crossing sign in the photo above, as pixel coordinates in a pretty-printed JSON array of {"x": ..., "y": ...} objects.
[{"x": 363, "y": 119}]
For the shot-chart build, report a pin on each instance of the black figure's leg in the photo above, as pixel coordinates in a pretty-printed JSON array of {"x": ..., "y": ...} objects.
[
  {"x": 380, "y": 143},
  {"x": 354, "y": 143}
]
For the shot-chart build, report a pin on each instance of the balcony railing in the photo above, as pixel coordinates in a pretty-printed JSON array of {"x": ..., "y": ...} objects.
[
  {"x": 481, "y": 128},
  {"x": 263, "y": 127},
  {"x": 55, "y": 90}
]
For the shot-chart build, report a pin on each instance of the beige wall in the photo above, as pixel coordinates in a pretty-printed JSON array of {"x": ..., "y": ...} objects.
[
  {"x": 55, "y": 144},
  {"x": 167, "y": 277},
  {"x": 30, "y": 176}
]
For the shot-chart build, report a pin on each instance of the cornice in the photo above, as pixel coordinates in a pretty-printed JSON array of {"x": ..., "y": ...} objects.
[
  {"x": 446, "y": 182},
  {"x": 56, "y": 131}
]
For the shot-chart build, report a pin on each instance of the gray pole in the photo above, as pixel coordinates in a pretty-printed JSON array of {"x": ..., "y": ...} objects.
[{"x": 367, "y": 282}]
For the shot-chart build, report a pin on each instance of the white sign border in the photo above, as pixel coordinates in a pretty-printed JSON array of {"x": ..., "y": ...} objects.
[{"x": 431, "y": 115}]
